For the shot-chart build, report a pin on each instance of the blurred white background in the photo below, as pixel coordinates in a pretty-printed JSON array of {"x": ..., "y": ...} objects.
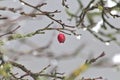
[{"x": 93, "y": 47}]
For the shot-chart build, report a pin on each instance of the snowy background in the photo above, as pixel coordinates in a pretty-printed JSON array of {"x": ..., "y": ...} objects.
[{"x": 93, "y": 47}]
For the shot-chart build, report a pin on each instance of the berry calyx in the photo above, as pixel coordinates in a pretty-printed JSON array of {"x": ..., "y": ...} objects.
[{"x": 61, "y": 38}]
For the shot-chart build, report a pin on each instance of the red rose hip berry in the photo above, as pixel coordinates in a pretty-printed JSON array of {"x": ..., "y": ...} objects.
[{"x": 61, "y": 38}]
